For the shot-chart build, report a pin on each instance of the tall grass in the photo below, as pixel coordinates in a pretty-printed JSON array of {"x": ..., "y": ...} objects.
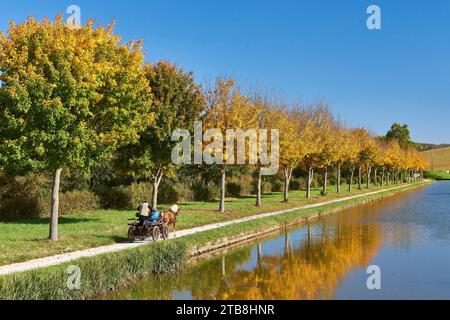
[{"x": 99, "y": 274}]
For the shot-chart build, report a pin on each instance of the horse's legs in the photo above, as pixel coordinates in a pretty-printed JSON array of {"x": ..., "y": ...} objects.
[{"x": 174, "y": 227}]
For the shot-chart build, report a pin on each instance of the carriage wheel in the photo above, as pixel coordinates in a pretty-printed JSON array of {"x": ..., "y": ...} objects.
[
  {"x": 165, "y": 232},
  {"x": 131, "y": 234},
  {"x": 155, "y": 234}
]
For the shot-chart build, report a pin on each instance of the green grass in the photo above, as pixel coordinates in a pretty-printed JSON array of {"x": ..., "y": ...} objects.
[
  {"x": 26, "y": 240},
  {"x": 99, "y": 274},
  {"x": 107, "y": 272},
  {"x": 437, "y": 175}
]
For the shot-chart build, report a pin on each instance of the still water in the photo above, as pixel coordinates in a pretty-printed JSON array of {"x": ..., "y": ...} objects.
[{"x": 407, "y": 236}]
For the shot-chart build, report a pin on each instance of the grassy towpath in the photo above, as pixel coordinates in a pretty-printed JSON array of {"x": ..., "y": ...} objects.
[{"x": 195, "y": 224}]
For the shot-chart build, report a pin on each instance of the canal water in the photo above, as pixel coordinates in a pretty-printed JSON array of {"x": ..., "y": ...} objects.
[{"x": 406, "y": 236}]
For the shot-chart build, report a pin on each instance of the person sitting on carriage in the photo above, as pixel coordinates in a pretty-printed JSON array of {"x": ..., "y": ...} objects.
[
  {"x": 153, "y": 217},
  {"x": 143, "y": 211}
]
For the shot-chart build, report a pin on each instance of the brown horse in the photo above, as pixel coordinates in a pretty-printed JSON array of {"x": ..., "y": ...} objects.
[{"x": 171, "y": 216}]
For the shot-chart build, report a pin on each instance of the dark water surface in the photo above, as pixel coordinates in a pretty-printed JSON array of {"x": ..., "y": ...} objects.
[{"x": 407, "y": 236}]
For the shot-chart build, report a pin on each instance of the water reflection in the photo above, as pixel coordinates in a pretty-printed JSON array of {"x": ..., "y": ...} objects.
[
  {"x": 326, "y": 259},
  {"x": 306, "y": 263}
]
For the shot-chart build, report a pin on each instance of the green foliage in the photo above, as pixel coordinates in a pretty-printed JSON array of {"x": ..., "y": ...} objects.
[
  {"x": 234, "y": 189},
  {"x": 175, "y": 192},
  {"x": 24, "y": 186},
  {"x": 178, "y": 102},
  {"x": 400, "y": 133},
  {"x": 206, "y": 192},
  {"x": 125, "y": 197},
  {"x": 69, "y": 97}
]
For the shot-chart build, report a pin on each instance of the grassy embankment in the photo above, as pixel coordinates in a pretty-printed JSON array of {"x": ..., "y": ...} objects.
[
  {"x": 109, "y": 271},
  {"x": 437, "y": 175},
  {"x": 25, "y": 240}
]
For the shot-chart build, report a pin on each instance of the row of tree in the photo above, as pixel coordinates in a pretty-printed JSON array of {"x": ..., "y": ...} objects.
[
  {"x": 311, "y": 138},
  {"x": 71, "y": 99}
]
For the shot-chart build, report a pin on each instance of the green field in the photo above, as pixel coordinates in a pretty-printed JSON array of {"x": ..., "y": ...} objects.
[
  {"x": 439, "y": 159},
  {"x": 437, "y": 175},
  {"x": 25, "y": 240}
]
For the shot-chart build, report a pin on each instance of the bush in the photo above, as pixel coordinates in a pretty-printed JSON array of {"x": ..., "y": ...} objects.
[
  {"x": 128, "y": 197},
  {"x": 266, "y": 187},
  {"x": 175, "y": 192},
  {"x": 76, "y": 202},
  {"x": 39, "y": 206},
  {"x": 30, "y": 185},
  {"x": 277, "y": 186},
  {"x": 297, "y": 184},
  {"x": 206, "y": 193},
  {"x": 125, "y": 197},
  {"x": 234, "y": 189}
]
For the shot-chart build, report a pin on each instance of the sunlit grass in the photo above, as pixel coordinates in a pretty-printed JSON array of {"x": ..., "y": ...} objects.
[{"x": 437, "y": 175}]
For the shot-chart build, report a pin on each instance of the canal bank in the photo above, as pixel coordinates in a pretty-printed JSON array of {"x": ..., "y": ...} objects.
[
  {"x": 110, "y": 271},
  {"x": 405, "y": 236}
]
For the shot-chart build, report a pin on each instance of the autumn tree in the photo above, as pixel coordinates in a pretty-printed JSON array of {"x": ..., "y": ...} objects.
[
  {"x": 327, "y": 135},
  {"x": 226, "y": 109},
  {"x": 262, "y": 108},
  {"x": 69, "y": 97},
  {"x": 290, "y": 144},
  {"x": 313, "y": 139},
  {"x": 352, "y": 154},
  {"x": 177, "y": 103},
  {"x": 345, "y": 154}
]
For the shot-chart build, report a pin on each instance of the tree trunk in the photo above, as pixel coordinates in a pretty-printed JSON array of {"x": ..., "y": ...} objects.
[
  {"x": 359, "y": 178},
  {"x": 310, "y": 179},
  {"x": 350, "y": 182},
  {"x": 382, "y": 176},
  {"x": 222, "y": 190},
  {"x": 258, "y": 188},
  {"x": 375, "y": 177},
  {"x": 338, "y": 175},
  {"x": 369, "y": 171},
  {"x": 53, "y": 234},
  {"x": 156, "y": 182},
  {"x": 325, "y": 182},
  {"x": 287, "y": 179}
]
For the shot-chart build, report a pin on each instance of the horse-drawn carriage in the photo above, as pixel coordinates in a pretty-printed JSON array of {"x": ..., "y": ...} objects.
[
  {"x": 141, "y": 228},
  {"x": 141, "y": 231}
]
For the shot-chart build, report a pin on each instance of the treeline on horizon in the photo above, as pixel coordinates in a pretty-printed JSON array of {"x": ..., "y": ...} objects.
[{"x": 82, "y": 112}]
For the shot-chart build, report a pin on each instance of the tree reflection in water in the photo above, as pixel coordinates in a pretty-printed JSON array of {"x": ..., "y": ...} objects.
[{"x": 311, "y": 268}]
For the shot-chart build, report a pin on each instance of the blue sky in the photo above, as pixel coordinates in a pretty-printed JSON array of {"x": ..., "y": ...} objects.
[{"x": 305, "y": 49}]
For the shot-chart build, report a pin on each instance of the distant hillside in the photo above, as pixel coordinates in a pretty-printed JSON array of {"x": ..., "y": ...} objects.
[
  {"x": 439, "y": 159},
  {"x": 430, "y": 146}
]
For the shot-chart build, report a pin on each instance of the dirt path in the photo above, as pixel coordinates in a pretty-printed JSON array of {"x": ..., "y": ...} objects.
[{"x": 66, "y": 257}]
